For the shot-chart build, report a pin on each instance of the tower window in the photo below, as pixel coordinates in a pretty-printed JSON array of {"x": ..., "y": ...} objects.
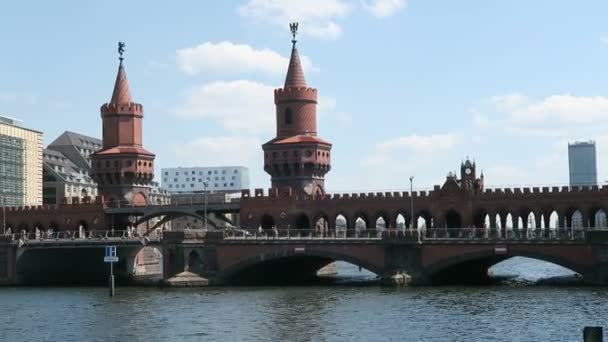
[{"x": 288, "y": 116}]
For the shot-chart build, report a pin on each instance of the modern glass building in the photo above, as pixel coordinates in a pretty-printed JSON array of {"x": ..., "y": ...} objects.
[
  {"x": 582, "y": 163},
  {"x": 20, "y": 164}
]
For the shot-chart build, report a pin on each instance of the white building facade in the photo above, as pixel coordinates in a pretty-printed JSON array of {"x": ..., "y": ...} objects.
[{"x": 192, "y": 179}]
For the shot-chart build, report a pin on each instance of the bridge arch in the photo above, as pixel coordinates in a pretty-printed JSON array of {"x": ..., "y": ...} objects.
[
  {"x": 474, "y": 265},
  {"x": 234, "y": 273}
]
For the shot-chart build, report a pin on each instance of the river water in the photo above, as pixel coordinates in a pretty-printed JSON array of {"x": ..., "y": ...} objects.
[{"x": 354, "y": 309}]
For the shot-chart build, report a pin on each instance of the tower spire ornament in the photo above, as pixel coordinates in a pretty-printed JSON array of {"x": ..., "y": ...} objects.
[
  {"x": 293, "y": 27},
  {"x": 121, "y": 50}
]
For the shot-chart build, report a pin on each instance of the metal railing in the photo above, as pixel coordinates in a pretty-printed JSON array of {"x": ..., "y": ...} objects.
[
  {"x": 83, "y": 235},
  {"x": 543, "y": 234},
  {"x": 491, "y": 234}
]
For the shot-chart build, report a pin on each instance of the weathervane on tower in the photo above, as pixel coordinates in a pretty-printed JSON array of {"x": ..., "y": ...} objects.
[
  {"x": 293, "y": 27},
  {"x": 121, "y": 50}
]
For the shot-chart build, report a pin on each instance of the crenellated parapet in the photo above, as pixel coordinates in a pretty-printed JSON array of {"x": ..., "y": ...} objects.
[
  {"x": 130, "y": 108},
  {"x": 306, "y": 94},
  {"x": 70, "y": 215}
]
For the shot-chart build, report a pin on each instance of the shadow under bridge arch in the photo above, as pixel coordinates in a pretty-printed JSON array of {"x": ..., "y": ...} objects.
[
  {"x": 293, "y": 265},
  {"x": 472, "y": 267}
]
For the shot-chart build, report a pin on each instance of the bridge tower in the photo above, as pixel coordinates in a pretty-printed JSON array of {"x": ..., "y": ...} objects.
[
  {"x": 468, "y": 176},
  {"x": 122, "y": 168},
  {"x": 297, "y": 158}
]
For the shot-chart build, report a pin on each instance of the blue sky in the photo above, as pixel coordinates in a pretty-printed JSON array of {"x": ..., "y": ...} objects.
[{"x": 406, "y": 87}]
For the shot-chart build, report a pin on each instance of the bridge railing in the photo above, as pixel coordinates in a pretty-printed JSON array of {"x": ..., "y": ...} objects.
[
  {"x": 299, "y": 234},
  {"x": 76, "y": 235},
  {"x": 504, "y": 234},
  {"x": 411, "y": 234}
]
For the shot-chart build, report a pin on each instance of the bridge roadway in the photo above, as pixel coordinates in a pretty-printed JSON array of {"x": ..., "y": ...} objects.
[{"x": 240, "y": 256}]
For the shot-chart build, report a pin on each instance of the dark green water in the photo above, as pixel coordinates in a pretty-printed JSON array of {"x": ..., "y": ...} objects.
[{"x": 355, "y": 311}]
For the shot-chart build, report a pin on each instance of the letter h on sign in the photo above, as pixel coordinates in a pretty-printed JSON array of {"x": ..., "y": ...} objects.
[
  {"x": 110, "y": 251},
  {"x": 110, "y": 254}
]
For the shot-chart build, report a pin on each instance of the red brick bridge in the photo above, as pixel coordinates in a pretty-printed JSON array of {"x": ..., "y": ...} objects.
[{"x": 452, "y": 256}]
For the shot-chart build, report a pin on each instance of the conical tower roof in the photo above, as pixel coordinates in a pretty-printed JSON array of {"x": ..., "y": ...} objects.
[
  {"x": 295, "y": 75},
  {"x": 121, "y": 93}
]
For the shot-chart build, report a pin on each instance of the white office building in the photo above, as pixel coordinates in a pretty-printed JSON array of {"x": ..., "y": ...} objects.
[
  {"x": 192, "y": 179},
  {"x": 582, "y": 163}
]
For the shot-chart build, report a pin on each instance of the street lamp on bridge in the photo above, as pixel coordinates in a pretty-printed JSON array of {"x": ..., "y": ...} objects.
[
  {"x": 3, "y": 211},
  {"x": 205, "y": 185},
  {"x": 412, "y": 203}
]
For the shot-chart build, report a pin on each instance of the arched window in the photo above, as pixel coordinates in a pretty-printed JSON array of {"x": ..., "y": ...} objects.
[{"x": 288, "y": 116}]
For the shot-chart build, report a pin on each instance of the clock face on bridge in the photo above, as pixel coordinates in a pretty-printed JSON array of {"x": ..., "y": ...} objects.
[{"x": 467, "y": 171}]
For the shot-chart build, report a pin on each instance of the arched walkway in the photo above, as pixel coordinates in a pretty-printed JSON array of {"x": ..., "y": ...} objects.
[
  {"x": 302, "y": 221},
  {"x": 453, "y": 219}
]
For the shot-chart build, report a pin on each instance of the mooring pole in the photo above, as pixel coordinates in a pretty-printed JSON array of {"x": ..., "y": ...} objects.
[
  {"x": 111, "y": 279},
  {"x": 593, "y": 334}
]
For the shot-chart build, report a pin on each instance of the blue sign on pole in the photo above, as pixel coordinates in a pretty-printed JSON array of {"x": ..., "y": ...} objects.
[{"x": 110, "y": 254}]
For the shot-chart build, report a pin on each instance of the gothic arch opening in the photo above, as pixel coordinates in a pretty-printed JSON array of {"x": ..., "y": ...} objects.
[
  {"x": 479, "y": 219},
  {"x": 361, "y": 221},
  {"x": 302, "y": 221},
  {"x": 400, "y": 221},
  {"x": 453, "y": 219},
  {"x": 341, "y": 223},
  {"x": 600, "y": 219},
  {"x": 380, "y": 223},
  {"x": 267, "y": 221},
  {"x": 424, "y": 219},
  {"x": 577, "y": 220},
  {"x": 322, "y": 225},
  {"x": 531, "y": 221}
]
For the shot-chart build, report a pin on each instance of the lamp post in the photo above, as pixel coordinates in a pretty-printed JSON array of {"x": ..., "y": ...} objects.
[
  {"x": 4, "y": 211},
  {"x": 205, "y": 184},
  {"x": 412, "y": 203}
]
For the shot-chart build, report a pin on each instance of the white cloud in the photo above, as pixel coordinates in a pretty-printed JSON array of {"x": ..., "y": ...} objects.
[
  {"x": 388, "y": 164},
  {"x": 222, "y": 150},
  {"x": 604, "y": 39},
  {"x": 555, "y": 115},
  {"x": 389, "y": 153},
  {"x": 383, "y": 8},
  {"x": 231, "y": 57},
  {"x": 241, "y": 105},
  {"x": 317, "y": 17},
  {"x": 238, "y": 105},
  {"x": 507, "y": 175}
]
